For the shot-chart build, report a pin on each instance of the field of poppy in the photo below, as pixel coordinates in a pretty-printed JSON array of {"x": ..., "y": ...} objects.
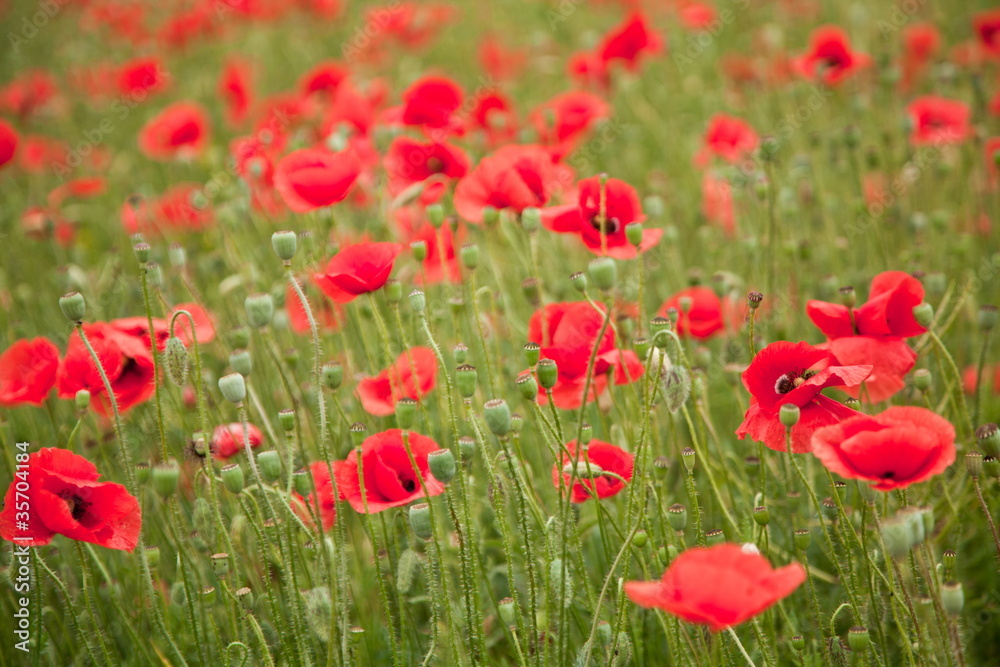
[{"x": 552, "y": 333}]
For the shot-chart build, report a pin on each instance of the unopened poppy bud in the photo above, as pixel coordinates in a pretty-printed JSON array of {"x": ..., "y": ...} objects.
[
  {"x": 529, "y": 287},
  {"x": 232, "y": 477},
  {"x": 241, "y": 362},
  {"x": 358, "y": 433},
  {"x": 142, "y": 472},
  {"x": 302, "y": 481},
  {"x": 548, "y": 373},
  {"x": 286, "y": 419},
  {"x": 579, "y": 281},
  {"x": 987, "y": 317},
  {"x": 461, "y": 353},
  {"x": 604, "y": 272},
  {"x": 73, "y": 306},
  {"x": 988, "y": 438},
  {"x": 176, "y": 357},
  {"x": 527, "y": 385},
  {"x": 531, "y": 219},
  {"x": 688, "y": 457},
  {"x": 442, "y": 465},
  {"x": 604, "y": 631},
  {"x": 82, "y": 399},
  {"x": 798, "y": 643},
  {"x": 152, "y": 553},
  {"x": 802, "y": 538},
  {"x": 435, "y": 214},
  {"x": 490, "y": 215},
  {"x": 497, "y": 414},
  {"x": 922, "y": 379},
  {"x": 165, "y": 477},
  {"x": 177, "y": 255},
  {"x": 220, "y": 564},
  {"x": 419, "y": 250},
  {"x": 952, "y": 597},
  {"x": 532, "y": 351},
  {"x": 923, "y": 314},
  {"x": 332, "y": 374},
  {"x": 508, "y": 614},
  {"x": 974, "y": 464},
  {"x": 245, "y": 597},
  {"x": 233, "y": 388},
  {"x": 466, "y": 447},
  {"x": 418, "y": 301},
  {"x": 270, "y": 464},
  {"x": 470, "y": 256},
  {"x": 260, "y": 310},
  {"x": 658, "y": 327},
  {"x": 858, "y": 639},
  {"x": 285, "y": 244},
  {"x": 465, "y": 380},
  {"x": 762, "y": 515},
  {"x": 142, "y": 251},
  {"x": 393, "y": 291},
  {"x": 754, "y": 300},
  {"x": 633, "y": 233},
  {"x": 586, "y": 433},
  {"x": 420, "y": 521},
  {"x": 789, "y": 414},
  {"x": 991, "y": 466},
  {"x": 714, "y": 537},
  {"x": 406, "y": 410}
]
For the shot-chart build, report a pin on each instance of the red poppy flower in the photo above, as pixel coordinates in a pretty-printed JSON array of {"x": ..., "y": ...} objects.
[
  {"x": 323, "y": 489},
  {"x": 987, "y": 26},
  {"x": 81, "y": 188},
  {"x": 141, "y": 76},
  {"x": 727, "y": 137},
  {"x": 494, "y": 115},
  {"x": 311, "y": 178},
  {"x": 720, "y": 586},
  {"x": 893, "y": 449},
  {"x": 794, "y": 373},
  {"x": 565, "y": 119},
  {"x": 706, "y": 315},
  {"x": 697, "y": 16},
  {"x": 8, "y": 143},
  {"x": 412, "y": 375},
  {"x": 181, "y": 208},
  {"x": 178, "y": 132},
  {"x": 227, "y": 439},
  {"x": 830, "y": 58},
  {"x": 920, "y": 42},
  {"x": 126, "y": 360},
  {"x": 513, "y": 177},
  {"x": 328, "y": 316},
  {"x": 65, "y": 498},
  {"x": 433, "y": 164},
  {"x": 357, "y": 269},
  {"x": 628, "y": 42},
  {"x": 717, "y": 202},
  {"x": 432, "y": 102},
  {"x": 566, "y": 333},
  {"x": 602, "y": 235},
  {"x": 442, "y": 261},
  {"x": 324, "y": 78},
  {"x": 501, "y": 63},
  {"x": 390, "y": 479},
  {"x": 236, "y": 90},
  {"x": 28, "y": 94},
  {"x": 28, "y": 372},
  {"x": 938, "y": 120},
  {"x": 888, "y": 311},
  {"x": 991, "y": 378},
  {"x": 890, "y": 358},
  {"x": 602, "y": 457}
]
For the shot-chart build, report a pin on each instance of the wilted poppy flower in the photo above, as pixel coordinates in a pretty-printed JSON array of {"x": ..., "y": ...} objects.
[
  {"x": 566, "y": 118},
  {"x": 591, "y": 479},
  {"x": 126, "y": 359},
  {"x": 432, "y": 102},
  {"x": 893, "y": 449},
  {"x": 513, "y": 177},
  {"x": 603, "y": 232},
  {"x": 227, "y": 439},
  {"x": 727, "y": 137},
  {"x": 311, "y": 178},
  {"x": 141, "y": 76},
  {"x": 830, "y": 58},
  {"x": 65, "y": 498},
  {"x": 178, "y": 132},
  {"x": 433, "y": 164},
  {"x": 357, "y": 269},
  {"x": 720, "y": 586},
  {"x": 8, "y": 143},
  {"x": 390, "y": 480},
  {"x": 794, "y": 373},
  {"x": 938, "y": 120},
  {"x": 566, "y": 333},
  {"x": 705, "y": 315},
  {"x": 412, "y": 375},
  {"x": 28, "y": 372},
  {"x": 323, "y": 491},
  {"x": 987, "y": 26}
]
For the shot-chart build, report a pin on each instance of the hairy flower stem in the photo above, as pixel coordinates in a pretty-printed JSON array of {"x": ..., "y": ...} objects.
[
  {"x": 154, "y": 352},
  {"x": 87, "y": 586},
  {"x": 956, "y": 388}
]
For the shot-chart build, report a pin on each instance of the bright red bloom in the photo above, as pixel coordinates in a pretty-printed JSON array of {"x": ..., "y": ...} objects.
[
  {"x": 893, "y": 449},
  {"x": 706, "y": 315},
  {"x": 987, "y": 26},
  {"x": 65, "y": 498},
  {"x": 513, "y": 177},
  {"x": 794, "y": 373},
  {"x": 141, "y": 76},
  {"x": 433, "y": 164},
  {"x": 236, "y": 90},
  {"x": 180, "y": 131},
  {"x": 390, "y": 480},
  {"x": 602, "y": 236},
  {"x": 432, "y": 102},
  {"x": 357, "y": 269},
  {"x": 727, "y": 137},
  {"x": 126, "y": 360},
  {"x": 720, "y": 586},
  {"x": 602, "y": 456},
  {"x": 628, "y": 42},
  {"x": 227, "y": 439},
  {"x": 323, "y": 489},
  {"x": 8, "y": 143},
  {"x": 494, "y": 115},
  {"x": 890, "y": 358},
  {"x": 566, "y": 333},
  {"x": 28, "y": 372},
  {"x": 888, "y": 311},
  {"x": 324, "y": 78},
  {"x": 412, "y": 375},
  {"x": 442, "y": 261},
  {"x": 565, "y": 119},
  {"x": 138, "y": 326},
  {"x": 311, "y": 178},
  {"x": 938, "y": 120},
  {"x": 830, "y": 58}
]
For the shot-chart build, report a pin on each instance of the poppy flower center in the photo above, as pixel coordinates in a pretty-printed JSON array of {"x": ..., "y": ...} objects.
[
  {"x": 77, "y": 505},
  {"x": 790, "y": 381},
  {"x": 605, "y": 225},
  {"x": 408, "y": 483},
  {"x": 435, "y": 165}
]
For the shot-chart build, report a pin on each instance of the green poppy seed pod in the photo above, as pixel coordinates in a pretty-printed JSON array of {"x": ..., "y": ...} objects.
[
  {"x": 829, "y": 508},
  {"x": 419, "y": 250},
  {"x": 868, "y": 493},
  {"x": 245, "y": 597},
  {"x": 302, "y": 479},
  {"x": 974, "y": 464},
  {"x": 260, "y": 310},
  {"x": 988, "y": 438},
  {"x": 923, "y": 314},
  {"x": 239, "y": 338},
  {"x": 285, "y": 244},
  {"x": 516, "y": 422},
  {"x": 714, "y": 537},
  {"x": 232, "y": 477},
  {"x": 176, "y": 356},
  {"x": 586, "y": 433},
  {"x": 848, "y": 296},
  {"x": 685, "y": 303},
  {"x": 802, "y": 538},
  {"x": 922, "y": 379},
  {"x": 641, "y": 538},
  {"x": 762, "y": 515},
  {"x": 442, "y": 465},
  {"x": 987, "y": 317},
  {"x": 208, "y": 594},
  {"x": 896, "y": 536},
  {"x": 858, "y": 639},
  {"x": 530, "y": 290},
  {"x": 358, "y": 433},
  {"x": 531, "y": 219},
  {"x": 177, "y": 255},
  {"x": 332, "y": 374},
  {"x": 142, "y": 472},
  {"x": 461, "y": 353},
  {"x": 688, "y": 457},
  {"x": 286, "y": 419},
  {"x": 420, "y": 521},
  {"x": 165, "y": 477},
  {"x": 673, "y": 315},
  {"x": 948, "y": 558},
  {"x": 548, "y": 373},
  {"x": 435, "y": 214},
  {"x": 465, "y": 380},
  {"x": 241, "y": 362},
  {"x": 991, "y": 466},
  {"x": 952, "y": 597},
  {"x": 633, "y": 233},
  {"x": 508, "y": 613},
  {"x": 270, "y": 464},
  {"x": 753, "y": 465},
  {"x": 406, "y": 410},
  {"x": 661, "y": 465},
  {"x": 490, "y": 215},
  {"x": 754, "y": 299},
  {"x": 677, "y": 517},
  {"x": 73, "y": 306},
  {"x": 199, "y": 444},
  {"x": 393, "y": 291},
  {"x": 497, "y": 415},
  {"x": 142, "y": 251},
  {"x": 658, "y": 327},
  {"x": 527, "y": 385},
  {"x": 470, "y": 256},
  {"x": 579, "y": 281},
  {"x": 641, "y": 346},
  {"x": 532, "y": 351},
  {"x": 418, "y": 301},
  {"x": 653, "y": 206},
  {"x": 233, "y": 388},
  {"x": 798, "y": 643},
  {"x": 604, "y": 272},
  {"x": 152, "y": 553},
  {"x": 789, "y": 415},
  {"x": 220, "y": 564},
  {"x": 82, "y": 399}
]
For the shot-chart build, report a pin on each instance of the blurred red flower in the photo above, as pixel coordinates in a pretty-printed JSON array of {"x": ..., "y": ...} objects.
[
  {"x": 432, "y": 103},
  {"x": 830, "y": 58},
  {"x": 227, "y": 439},
  {"x": 412, "y": 375},
  {"x": 629, "y": 41},
  {"x": 938, "y": 120},
  {"x": 357, "y": 269},
  {"x": 514, "y": 177},
  {"x": 888, "y": 311},
  {"x": 705, "y": 315},
  {"x": 328, "y": 315},
  {"x": 562, "y": 121},
  {"x": 494, "y": 114},
  {"x": 604, "y": 457},
  {"x": 323, "y": 491},
  {"x": 498, "y": 61},
  {"x": 8, "y": 143},
  {"x": 181, "y": 131},
  {"x": 141, "y": 76},
  {"x": 433, "y": 164},
  {"x": 28, "y": 372},
  {"x": 727, "y": 137},
  {"x": 126, "y": 359},
  {"x": 235, "y": 87},
  {"x": 311, "y": 178},
  {"x": 987, "y": 27}
]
